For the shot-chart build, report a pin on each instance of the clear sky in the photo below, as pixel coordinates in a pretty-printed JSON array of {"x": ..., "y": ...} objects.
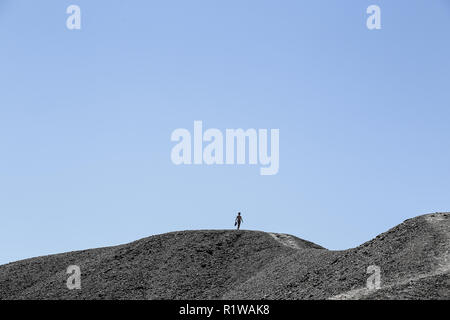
[{"x": 86, "y": 117}]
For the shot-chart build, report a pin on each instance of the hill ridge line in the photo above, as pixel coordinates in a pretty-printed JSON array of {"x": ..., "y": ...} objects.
[{"x": 244, "y": 264}]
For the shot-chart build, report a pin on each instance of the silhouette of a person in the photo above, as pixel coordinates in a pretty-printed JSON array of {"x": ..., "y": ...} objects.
[{"x": 238, "y": 221}]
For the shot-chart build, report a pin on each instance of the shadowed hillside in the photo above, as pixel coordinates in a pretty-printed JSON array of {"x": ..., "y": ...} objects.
[{"x": 229, "y": 264}]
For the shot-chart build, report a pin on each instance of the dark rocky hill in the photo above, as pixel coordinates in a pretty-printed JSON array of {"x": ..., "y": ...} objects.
[{"x": 413, "y": 258}]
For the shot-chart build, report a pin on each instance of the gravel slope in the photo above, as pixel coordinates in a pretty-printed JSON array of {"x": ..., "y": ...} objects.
[{"x": 228, "y": 264}]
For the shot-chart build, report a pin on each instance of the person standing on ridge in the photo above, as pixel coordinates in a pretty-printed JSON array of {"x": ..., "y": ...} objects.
[{"x": 238, "y": 221}]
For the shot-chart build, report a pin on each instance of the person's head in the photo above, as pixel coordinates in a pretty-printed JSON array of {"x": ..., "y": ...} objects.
[{"x": 239, "y": 213}]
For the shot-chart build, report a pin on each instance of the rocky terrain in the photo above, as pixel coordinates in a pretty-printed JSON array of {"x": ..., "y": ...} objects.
[{"x": 413, "y": 258}]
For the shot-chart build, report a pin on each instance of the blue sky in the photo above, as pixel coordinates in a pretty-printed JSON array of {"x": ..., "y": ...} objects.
[{"x": 86, "y": 117}]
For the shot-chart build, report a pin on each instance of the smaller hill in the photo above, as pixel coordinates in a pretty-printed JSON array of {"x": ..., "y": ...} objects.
[{"x": 413, "y": 258}]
